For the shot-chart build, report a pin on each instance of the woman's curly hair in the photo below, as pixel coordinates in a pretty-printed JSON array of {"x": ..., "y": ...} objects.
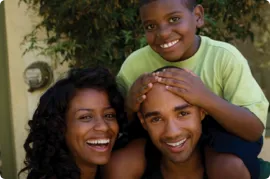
[{"x": 47, "y": 155}]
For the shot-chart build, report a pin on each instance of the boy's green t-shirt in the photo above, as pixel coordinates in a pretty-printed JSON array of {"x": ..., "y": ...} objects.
[{"x": 221, "y": 67}]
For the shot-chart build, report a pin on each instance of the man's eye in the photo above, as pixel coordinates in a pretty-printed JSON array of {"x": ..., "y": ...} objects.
[
  {"x": 150, "y": 27},
  {"x": 174, "y": 19},
  {"x": 155, "y": 119},
  {"x": 183, "y": 114}
]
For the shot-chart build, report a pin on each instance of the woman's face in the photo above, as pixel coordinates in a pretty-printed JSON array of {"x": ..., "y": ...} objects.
[{"x": 92, "y": 127}]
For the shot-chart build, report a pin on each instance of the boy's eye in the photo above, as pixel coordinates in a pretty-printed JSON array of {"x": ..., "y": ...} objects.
[
  {"x": 155, "y": 119},
  {"x": 150, "y": 27},
  {"x": 174, "y": 19},
  {"x": 183, "y": 113}
]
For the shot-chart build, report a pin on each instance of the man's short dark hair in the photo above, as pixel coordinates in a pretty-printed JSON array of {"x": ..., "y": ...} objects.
[{"x": 190, "y": 4}]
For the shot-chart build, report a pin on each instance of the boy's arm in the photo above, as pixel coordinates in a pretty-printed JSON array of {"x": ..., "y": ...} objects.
[
  {"x": 122, "y": 83},
  {"x": 126, "y": 163},
  {"x": 245, "y": 113},
  {"x": 123, "y": 87},
  {"x": 135, "y": 94},
  {"x": 240, "y": 89},
  {"x": 234, "y": 119}
]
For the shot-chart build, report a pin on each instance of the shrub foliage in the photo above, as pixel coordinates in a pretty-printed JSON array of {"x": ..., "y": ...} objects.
[{"x": 105, "y": 32}]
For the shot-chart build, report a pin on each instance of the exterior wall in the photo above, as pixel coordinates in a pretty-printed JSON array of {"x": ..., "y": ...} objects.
[
  {"x": 19, "y": 22},
  {"x": 8, "y": 169}
]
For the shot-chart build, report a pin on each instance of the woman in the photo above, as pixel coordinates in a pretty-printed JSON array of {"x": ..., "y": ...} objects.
[{"x": 74, "y": 127}]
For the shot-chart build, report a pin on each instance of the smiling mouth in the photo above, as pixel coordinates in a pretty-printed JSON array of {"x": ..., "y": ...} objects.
[
  {"x": 99, "y": 145},
  {"x": 170, "y": 44},
  {"x": 178, "y": 144}
]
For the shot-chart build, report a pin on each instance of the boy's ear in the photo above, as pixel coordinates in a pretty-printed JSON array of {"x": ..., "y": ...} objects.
[
  {"x": 199, "y": 15},
  {"x": 140, "y": 116}
]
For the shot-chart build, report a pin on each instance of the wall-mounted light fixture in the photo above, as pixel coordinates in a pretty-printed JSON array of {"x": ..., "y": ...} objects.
[{"x": 38, "y": 75}]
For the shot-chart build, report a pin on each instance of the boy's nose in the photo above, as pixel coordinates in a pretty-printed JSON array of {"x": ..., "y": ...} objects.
[{"x": 164, "y": 32}]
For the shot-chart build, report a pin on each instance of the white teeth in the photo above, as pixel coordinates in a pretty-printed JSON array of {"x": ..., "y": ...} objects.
[
  {"x": 177, "y": 143},
  {"x": 100, "y": 141},
  {"x": 170, "y": 44}
]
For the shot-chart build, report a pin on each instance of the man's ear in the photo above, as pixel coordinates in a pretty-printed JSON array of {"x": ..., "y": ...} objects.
[
  {"x": 140, "y": 116},
  {"x": 199, "y": 15},
  {"x": 202, "y": 113}
]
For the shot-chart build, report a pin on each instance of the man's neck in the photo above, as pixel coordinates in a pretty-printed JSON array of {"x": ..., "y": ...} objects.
[{"x": 190, "y": 169}]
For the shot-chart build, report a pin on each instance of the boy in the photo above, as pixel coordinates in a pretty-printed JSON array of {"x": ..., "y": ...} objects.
[{"x": 229, "y": 93}]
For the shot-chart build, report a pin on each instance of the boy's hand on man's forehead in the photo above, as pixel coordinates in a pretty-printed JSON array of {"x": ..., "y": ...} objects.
[
  {"x": 138, "y": 90},
  {"x": 185, "y": 84}
]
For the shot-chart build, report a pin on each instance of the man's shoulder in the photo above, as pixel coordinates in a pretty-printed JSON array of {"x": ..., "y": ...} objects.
[{"x": 128, "y": 161}]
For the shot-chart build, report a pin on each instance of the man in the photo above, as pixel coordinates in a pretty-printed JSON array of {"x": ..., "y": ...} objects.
[{"x": 174, "y": 129}]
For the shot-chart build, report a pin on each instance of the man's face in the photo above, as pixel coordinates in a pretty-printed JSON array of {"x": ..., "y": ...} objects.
[{"x": 173, "y": 125}]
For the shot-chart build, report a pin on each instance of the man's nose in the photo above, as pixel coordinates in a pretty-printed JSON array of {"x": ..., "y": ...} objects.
[{"x": 172, "y": 130}]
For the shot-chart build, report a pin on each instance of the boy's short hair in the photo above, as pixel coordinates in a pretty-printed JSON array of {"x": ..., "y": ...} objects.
[{"x": 190, "y": 4}]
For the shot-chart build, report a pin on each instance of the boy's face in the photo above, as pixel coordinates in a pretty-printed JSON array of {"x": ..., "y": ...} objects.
[
  {"x": 170, "y": 28},
  {"x": 173, "y": 125}
]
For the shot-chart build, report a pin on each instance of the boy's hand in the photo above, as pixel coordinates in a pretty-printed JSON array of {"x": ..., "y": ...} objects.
[
  {"x": 185, "y": 84},
  {"x": 138, "y": 90}
]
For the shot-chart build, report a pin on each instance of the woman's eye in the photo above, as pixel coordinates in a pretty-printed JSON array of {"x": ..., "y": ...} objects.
[
  {"x": 174, "y": 19},
  {"x": 86, "y": 118},
  {"x": 155, "y": 119},
  {"x": 150, "y": 27},
  {"x": 183, "y": 113},
  {"x": 110, "y": 116}
]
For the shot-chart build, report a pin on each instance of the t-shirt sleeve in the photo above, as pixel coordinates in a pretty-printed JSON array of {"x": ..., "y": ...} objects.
[
  {"x": 240, "y": 87},
  {"x": 122, "y": 83},
  {"x": 130, "y": 70}
]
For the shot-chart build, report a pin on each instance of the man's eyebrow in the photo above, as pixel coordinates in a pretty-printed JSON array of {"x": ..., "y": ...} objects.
[
  {"x": 181, "y": 107},
  {"x": 150, "y": 114}
]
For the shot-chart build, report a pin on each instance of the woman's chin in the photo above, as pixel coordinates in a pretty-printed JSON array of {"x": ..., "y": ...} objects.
[{"x": 100, "y": 160}]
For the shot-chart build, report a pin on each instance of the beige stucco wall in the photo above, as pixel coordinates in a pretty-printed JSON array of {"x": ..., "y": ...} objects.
[{"x": 19, "y": 23}]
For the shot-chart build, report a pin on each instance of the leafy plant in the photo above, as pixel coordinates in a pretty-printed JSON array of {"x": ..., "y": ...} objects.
[{"x": 94, "y": 32}]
